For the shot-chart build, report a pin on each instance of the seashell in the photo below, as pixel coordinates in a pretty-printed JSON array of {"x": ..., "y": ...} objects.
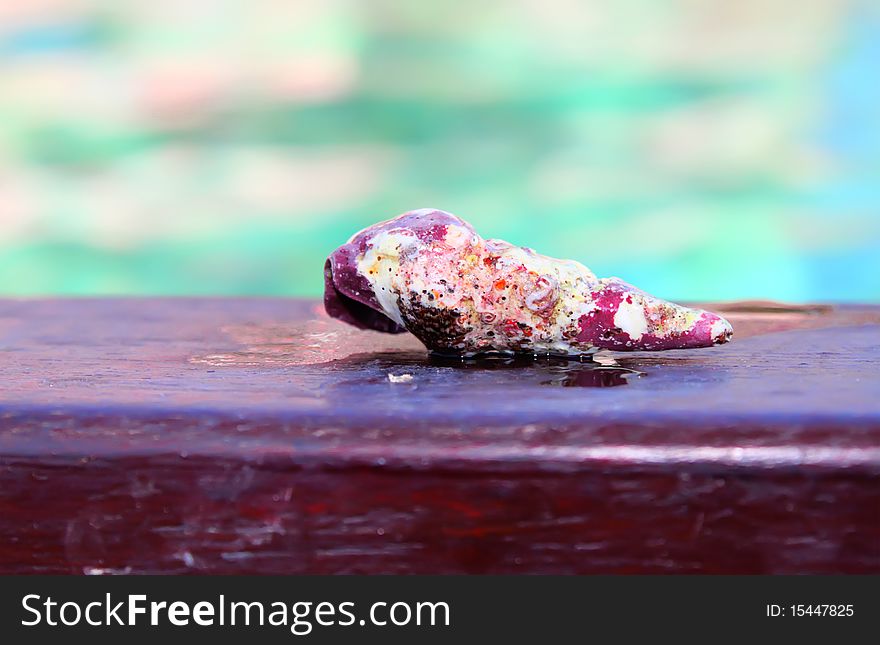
[{"x": 428, "y": 272}]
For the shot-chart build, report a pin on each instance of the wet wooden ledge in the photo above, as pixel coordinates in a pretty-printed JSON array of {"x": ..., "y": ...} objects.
[{"x": 259, "y": 436}]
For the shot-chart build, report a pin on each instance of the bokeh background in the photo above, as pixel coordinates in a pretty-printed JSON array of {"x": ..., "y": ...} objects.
[{"x": 701, "y": 149}]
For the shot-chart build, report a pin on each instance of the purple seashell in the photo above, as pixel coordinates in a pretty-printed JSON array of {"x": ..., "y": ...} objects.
[{"x": 428, "y": 272}]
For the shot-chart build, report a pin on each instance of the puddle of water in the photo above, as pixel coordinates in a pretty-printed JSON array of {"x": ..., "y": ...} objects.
[{"x": 597, "y": 377}]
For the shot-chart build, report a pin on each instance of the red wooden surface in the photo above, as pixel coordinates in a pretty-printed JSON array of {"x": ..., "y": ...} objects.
[{"x": 229, "y": 436}]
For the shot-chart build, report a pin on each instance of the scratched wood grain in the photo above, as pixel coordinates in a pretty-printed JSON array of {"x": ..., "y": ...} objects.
[{"x": 259, "y": 436}]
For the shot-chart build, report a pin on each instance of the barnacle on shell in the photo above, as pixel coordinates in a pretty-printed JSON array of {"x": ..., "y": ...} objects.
[{"x": 428, "y": 272}]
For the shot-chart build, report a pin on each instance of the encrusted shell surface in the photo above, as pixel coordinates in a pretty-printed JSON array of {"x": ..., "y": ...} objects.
[{"x": 429, "y": 272}]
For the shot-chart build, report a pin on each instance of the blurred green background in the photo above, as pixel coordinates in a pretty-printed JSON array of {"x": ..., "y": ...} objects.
[{"x": 699, "y": 149}]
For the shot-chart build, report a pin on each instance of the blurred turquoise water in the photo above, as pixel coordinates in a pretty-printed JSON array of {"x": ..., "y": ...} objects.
[{"x": 696, "y": 150}]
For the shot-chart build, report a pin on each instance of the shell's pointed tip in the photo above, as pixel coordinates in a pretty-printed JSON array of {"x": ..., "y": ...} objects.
[{"x": 721, "y": 330}]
